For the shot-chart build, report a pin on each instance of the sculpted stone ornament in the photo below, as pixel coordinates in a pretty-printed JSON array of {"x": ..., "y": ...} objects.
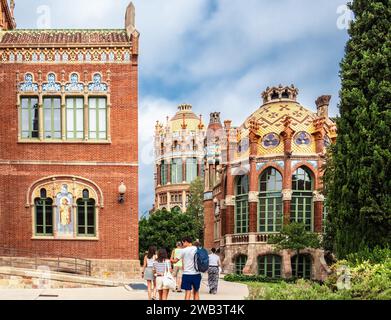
[
  {"x": 286, "y": 195},
  {"x": 230, "y": 200},
  {"x": 253, "y": 196},
  {"x": 318, "y": 197}
]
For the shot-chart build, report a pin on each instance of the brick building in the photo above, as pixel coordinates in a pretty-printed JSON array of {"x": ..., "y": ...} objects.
[
  {"x": 264, "y": 174},
  {"x": 69, "y": 142},
  {"x": 179, "y": 158}
]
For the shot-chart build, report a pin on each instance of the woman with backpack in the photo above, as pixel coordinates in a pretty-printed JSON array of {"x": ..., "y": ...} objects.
[
  {"x": 162, "y": 270},
  {"x": 147, "y": 272}
]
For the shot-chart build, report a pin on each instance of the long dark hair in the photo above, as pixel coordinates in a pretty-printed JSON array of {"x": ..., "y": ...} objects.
[
  {"x": 151, "y": 252},
  {"x": 162, "y": 255}
]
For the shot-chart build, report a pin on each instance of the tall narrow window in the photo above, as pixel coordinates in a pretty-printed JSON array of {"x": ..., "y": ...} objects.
[
  {"x": 163, "y": 173},
  {"x": 191, "y": 170},
  {"x": 270, "y": 201},
  {"x": 97, "y": 118},
  {"x": 75, "y": 118},
  {"x": 52, "y": 118},
  {"x": 176, "y": 171},
  {"x": 240, "y": 263},
  {"x": 269, "y": 266},
  {"x": 301, "y": 204},
  {"x": 86, "y": 216},
  {"x": 241, "y": 208},
  {"x": 29, "y": 118},
  {"x": 43, "y": 215},
  {"x": 301, "y": 266}
]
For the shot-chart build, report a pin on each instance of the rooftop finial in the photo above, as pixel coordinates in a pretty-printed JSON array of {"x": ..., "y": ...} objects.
[{"x": 130, "y": 19}]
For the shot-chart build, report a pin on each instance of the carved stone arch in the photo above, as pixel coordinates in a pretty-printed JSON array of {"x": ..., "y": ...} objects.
[{"x": 53, "y": 185}]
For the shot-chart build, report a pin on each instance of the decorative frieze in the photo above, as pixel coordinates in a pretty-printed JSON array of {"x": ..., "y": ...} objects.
[{"x": 65, "y": 55}]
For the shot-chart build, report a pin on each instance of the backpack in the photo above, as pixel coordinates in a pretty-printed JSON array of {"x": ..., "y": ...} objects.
[{"x": 201, "y": 260}]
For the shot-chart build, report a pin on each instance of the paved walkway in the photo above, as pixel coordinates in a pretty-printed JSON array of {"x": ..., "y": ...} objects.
[{"x": 227, "y": 291}]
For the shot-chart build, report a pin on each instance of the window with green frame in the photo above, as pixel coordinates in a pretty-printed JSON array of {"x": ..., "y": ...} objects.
[
  {"x": 163, "y": 173},
  {"x": 97, "y": 121},
  {"x": 302, "y": 198},
  {"x": 270, "y": 201},
  {"x": 52, "y": 118},
  {"x": 43, "y": 215},
  {"x": 176, "y": 171},
  {"x": 86, "y": 220},
  {"x": 240, "y": 263},
  {"x": 269, "y": 266},
  {"x": 301, "y": 266},
  {"x": 29, "y": 118},
  {"x": 75, "y": 118},
  {"x": 241, "y": 205},
  {"x": 191, "y": 169}
]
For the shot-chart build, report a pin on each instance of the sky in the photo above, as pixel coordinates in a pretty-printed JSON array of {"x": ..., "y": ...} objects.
[{"x": 217, "y": 55}]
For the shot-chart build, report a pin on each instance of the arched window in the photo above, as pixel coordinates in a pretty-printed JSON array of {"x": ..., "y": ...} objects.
[
  {"x": 301, "y": 204},
  {"x": 176, "y": 209},
  {"x": 43, "y": 215},
  {"x": 270, "y": 201},
  {"x": 275, "y": 95},
  {"x": 241, "y": 207},
  {"x": 176, "y": 171},
  {"x": 301, "y": 266},
  {"x": 163, "y": 173},
  {"x": 191, "y": 169},
  {"x": 269, "y": 266},
  {"x": 86, "y": 220},
  {"x": 285, "y": 94},
  {"x": 240, "y": 263}
]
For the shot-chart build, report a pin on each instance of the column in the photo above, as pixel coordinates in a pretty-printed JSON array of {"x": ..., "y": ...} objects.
[
  {"x": 318, "y": 211},
  {"x": 86, "y": 126},
  {"x": 168, "y": 164},
  {"x": 253, "y": 177},
  {"x": 319, "y": 135},
  {"x": 230, "y": 192},
  {"x": 287, "y": 136},
  {"x": 184, "y": 208},
  {"x": 158, "y": 174},
  {"x": 63, "y": 118},
  {"x": 168, "y": 201},
  {"x": 184, "y": 170},
  {"x": 40, "y": 117}
]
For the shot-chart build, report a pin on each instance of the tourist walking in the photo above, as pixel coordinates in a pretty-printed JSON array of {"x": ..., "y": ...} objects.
[
  {"x": 213, "y": 272},
  {"x": 177, "y": 267},
  {"x": 162, "y": 267},
  {"x": 148, "y": 273},
  {"x": 191, "y": 279}
]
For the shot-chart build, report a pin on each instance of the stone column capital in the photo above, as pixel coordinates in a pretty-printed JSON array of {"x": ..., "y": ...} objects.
[
  {"x": 318, "y": 196},
  {"x": 230, "y": 201},
  {"x": 287, "y": 195},
  {"x": 253, "y": 196}
]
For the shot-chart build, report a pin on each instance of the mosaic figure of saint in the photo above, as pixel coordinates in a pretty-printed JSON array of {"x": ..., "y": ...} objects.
[{"x": 65, "y": 212}]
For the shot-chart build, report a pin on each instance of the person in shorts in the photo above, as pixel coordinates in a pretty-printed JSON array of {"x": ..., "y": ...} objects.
[
  {"x": 160, "y": 266},
  {"x": 178, "y": 267},
  {"x": 191, "y": 278}
]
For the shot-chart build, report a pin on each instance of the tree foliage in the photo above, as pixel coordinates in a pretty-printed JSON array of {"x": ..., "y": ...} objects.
[
  {"x": 294, "y": 236},
  {"x": 358, "y": 181},
  {"x": 164, "y": 228},
  {"x": 195, "y": 207}
]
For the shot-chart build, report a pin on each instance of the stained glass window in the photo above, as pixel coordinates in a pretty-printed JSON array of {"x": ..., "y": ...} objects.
[
  {"x": 303, "y": 139},
  {"x": 271, "y": 140}
]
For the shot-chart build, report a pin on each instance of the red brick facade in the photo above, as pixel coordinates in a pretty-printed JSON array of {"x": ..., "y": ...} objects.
[{"x": 105, "y": 163}]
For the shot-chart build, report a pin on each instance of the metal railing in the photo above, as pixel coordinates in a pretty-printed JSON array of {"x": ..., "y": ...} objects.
[{"x": 33, "y": 260}]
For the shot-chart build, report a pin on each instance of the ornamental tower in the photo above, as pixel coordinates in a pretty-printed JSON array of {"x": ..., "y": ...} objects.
[{"x": 179, "y": 154}]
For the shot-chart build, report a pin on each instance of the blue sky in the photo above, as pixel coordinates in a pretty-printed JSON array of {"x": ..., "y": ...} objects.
[{"x": 218, "y": 55}]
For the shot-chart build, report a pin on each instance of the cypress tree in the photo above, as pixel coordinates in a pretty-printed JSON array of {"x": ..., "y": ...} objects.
[{"x": 358, "y": 179}]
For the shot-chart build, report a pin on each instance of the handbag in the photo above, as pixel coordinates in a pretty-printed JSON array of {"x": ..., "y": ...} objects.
[{"x": 168, "y": 279}]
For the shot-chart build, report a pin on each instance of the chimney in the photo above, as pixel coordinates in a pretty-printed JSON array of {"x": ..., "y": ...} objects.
[
  {"x": 130, "y": 19},
  {"x": 322, "y": 105}
]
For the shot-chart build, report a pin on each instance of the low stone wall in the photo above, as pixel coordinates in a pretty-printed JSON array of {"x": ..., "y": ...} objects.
[
  {"x": 16, "y": 278},
  {"x": 320, "y": 270},
  {"x": 103, "y": 269}
]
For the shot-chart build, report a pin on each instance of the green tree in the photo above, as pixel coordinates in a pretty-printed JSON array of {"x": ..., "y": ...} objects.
[
  {"x": 195, "y": 207},
  {"x": 294, "y": 236},
  {"x": 163, "y": 229},
  {"x": 358, "y": 182}
]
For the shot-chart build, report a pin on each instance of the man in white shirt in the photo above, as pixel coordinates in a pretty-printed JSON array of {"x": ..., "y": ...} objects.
[
  {"x": 213, "y": 271},
  {"x": 191, "y": 278}
]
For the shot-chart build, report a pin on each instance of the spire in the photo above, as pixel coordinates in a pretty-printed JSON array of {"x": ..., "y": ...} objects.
[
  {"x": 130, "y": 19},
  {"x": 7, "y": 21}
]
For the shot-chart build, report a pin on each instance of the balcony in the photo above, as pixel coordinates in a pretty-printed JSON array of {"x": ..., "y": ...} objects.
[{"x": 246, "y": 238}]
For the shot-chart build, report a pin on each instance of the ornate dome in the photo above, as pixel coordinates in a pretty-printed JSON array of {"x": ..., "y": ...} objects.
[
  {"x": 185, "y": 118},
  {"x": 278, "y": 104}
]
